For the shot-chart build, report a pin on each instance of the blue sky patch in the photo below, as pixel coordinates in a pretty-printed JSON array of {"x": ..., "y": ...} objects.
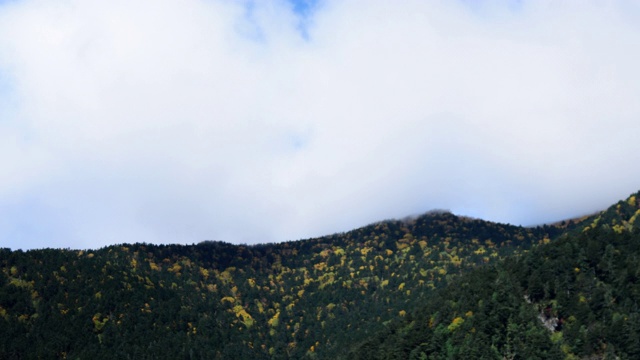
[{"x": 304, "y": 9}]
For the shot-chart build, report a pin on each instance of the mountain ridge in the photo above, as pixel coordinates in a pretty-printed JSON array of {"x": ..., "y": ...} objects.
[{"x": 293, "y": 299}]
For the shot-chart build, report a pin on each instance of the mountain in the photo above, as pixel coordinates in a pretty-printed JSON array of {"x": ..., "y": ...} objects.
[
  {"x": 574, "y": 298},
  {"x": 353, "y": 294}
]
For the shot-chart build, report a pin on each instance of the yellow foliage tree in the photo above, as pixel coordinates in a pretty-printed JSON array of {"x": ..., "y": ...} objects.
[
  {"x": 246, "y": 318},
  {"x": 175, "y": 268},
  {"x": 275, "y": 320},
  {"x": 455, "y": 324},
  {"x": 229, "y": 299}
]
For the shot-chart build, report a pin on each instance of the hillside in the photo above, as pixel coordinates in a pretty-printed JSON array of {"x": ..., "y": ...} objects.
[
  {"x": 574, "y": 298},
  {"x": 312, "y": 298}
]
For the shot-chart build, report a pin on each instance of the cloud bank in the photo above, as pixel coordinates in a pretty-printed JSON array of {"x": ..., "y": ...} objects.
[{"x": 178, "y": 121}]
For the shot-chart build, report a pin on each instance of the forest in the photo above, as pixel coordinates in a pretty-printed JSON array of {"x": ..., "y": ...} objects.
[{"x": 438, "y": 286}]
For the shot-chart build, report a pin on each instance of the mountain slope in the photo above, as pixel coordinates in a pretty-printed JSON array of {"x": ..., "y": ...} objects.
[
  {"x": 301, "y": 299},
  {"x": 574, "y": 298}
]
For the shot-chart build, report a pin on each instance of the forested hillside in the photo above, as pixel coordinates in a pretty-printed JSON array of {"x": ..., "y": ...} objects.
[
  {"x": 575, "y": 298},
  {"x": 301, "y": 299}
]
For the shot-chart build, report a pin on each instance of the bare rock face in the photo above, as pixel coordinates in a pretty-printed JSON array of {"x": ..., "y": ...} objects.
[{"x": 551, "y": 323}]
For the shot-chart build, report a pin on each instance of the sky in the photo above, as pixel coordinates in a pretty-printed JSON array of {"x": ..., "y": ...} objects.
[{"x": 171, "y": 121}]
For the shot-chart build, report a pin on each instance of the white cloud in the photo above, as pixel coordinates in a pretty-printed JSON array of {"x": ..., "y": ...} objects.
[{"x": 171, "y": 121}]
